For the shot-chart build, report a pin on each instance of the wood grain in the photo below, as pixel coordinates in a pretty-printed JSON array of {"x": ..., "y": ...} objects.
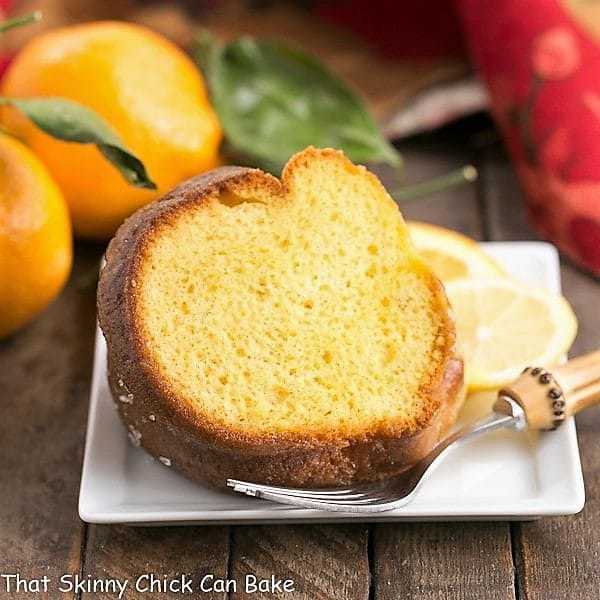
[
  {"x": 432, "y": 560},
  {"x": 326, "y": 562},
  {"x": 44, "y": 380},
  {"x": 128, "y": 553},
  {"x": 555, "y": 558}
]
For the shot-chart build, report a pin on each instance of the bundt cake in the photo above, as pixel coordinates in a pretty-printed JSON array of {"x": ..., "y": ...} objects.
[{"x": 278, "y": 331}]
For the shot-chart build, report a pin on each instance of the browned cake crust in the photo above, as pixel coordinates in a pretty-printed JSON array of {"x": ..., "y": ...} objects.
[{"x": 167, "y": 428}]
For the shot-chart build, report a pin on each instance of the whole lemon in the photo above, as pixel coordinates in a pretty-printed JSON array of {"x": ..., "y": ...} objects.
[
  {"x": 35, "y": 236},
  {"x": 145, "y": 87}
]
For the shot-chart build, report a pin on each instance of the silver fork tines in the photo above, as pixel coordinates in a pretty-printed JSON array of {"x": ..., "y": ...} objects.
[{"x": 390, "y": 493}]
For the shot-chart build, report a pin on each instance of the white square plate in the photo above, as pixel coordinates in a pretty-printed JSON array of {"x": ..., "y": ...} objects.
[{"x": 504, "y": 475}]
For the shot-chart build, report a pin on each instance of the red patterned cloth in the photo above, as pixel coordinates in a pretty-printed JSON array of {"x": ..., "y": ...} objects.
[
  {"x": 5, "y": 57},
  {"x": 402, "y": 30},
  {"x": 543, "y": 72}
]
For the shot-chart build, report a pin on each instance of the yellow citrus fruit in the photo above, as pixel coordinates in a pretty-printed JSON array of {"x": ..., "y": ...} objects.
[
  {"x": 503, "y": 326},
  {"x": 451, "y": 255},
  {"x": 35, "y": 236},
  {"x": 147, "y": 89}
]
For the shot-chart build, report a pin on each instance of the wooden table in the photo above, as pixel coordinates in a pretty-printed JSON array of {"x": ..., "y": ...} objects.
[{"x": 44, "y": 382}]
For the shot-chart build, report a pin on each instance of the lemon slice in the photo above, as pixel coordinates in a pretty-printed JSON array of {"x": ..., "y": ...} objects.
[
  {"x": 451, "y": 255},
  {"x": 503, "y": 327}
]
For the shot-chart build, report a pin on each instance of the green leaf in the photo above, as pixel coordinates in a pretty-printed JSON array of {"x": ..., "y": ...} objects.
[
  {"x": 27, "y": 19},
  {"x": 466, "y": 174},
  {"x": 273, "y": 101},
  {"x": 69, "y": 121}
]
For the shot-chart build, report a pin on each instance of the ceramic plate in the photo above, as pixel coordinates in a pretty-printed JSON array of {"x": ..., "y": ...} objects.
[{"x": 504, "y": 475}]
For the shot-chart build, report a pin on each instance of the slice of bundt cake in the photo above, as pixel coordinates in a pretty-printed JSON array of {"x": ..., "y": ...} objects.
[{"x": 278, "y": 331}]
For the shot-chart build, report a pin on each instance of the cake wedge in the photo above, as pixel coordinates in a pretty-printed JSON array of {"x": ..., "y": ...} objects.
[{"x": 280, "y": 331}]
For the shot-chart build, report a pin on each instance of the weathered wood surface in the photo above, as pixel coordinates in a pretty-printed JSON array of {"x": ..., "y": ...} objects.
[
  {"x": 128, "y": 553},
  {"x": 470, "y": 561},
  {"x": 324, "y": 561},
  {"x": 44, "y": 381}
]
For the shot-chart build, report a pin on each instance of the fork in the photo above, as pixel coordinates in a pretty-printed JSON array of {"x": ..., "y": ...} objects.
[{"x": 537, "y": 400}]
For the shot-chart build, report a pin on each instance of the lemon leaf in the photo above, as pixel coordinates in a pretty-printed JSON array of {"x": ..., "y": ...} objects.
[
  {"x": 466, "y": 174},
  {"x": 274, "y": 100},
  {"x": 27, "y": 19},
  {"x": 72, "y": 122}
]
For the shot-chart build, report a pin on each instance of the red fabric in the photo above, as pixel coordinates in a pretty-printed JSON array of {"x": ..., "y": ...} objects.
[
  {"x": 543, "y": 72},
  {"x": 6, "y": 58},
  {"x": 415, "y": 30}
]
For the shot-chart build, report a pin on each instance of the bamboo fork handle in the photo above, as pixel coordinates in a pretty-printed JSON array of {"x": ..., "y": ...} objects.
[{"x": 549, "y": 397}]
